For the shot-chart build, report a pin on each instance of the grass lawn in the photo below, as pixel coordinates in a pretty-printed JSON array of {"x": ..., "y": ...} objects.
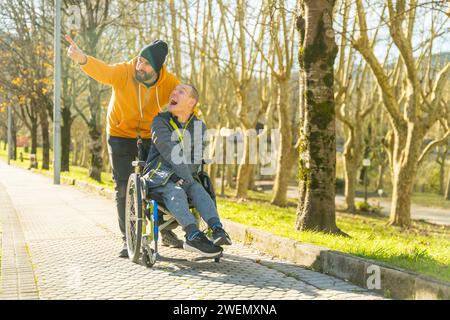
[
  {"x": 76, "y": 172},
  {"x": 422, "y": 248}
]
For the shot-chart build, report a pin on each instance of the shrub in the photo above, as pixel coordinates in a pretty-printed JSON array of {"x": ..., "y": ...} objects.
[{"x": 366, "y": 207}]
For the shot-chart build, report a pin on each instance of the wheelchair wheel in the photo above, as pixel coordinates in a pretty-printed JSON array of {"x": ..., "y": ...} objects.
[
  {"x": 133, "y": 217},
  {"x": 148, "y": 257}
]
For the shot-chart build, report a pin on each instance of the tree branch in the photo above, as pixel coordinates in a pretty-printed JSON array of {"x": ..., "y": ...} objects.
[{"x": 432, "y": 145}]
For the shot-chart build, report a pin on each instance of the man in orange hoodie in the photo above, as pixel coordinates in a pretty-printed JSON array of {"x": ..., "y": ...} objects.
[{"x": 140, "y": 89}]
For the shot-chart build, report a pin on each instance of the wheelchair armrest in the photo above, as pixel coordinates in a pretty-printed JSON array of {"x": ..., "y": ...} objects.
[{"x": 138, "y": 163}]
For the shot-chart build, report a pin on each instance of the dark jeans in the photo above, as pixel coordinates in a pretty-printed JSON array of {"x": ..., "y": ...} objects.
[{"x": 122, "y": 151}]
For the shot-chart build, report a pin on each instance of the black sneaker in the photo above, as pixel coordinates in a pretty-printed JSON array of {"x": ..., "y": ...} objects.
[
  {"x": 170, "y": 239},
  {"x": 124, "y": 252},
  {"x": 201, "y": 244},
  {"x": 220, "y": 237}
]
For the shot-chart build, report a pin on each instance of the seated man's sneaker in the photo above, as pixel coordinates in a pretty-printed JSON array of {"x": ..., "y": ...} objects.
[
  {"x": 220, "y": 237},
  {"x": 124, "y": 252},
  {"x": 201, "y": 244},
  {"x": 170, "y": 239}
]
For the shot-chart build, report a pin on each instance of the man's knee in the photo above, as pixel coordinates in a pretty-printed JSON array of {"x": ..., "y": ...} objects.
[
  {"x": 176, "y": 200},
  {"x": 174, "y": 193},
  {"x": 194, "y": 188}
]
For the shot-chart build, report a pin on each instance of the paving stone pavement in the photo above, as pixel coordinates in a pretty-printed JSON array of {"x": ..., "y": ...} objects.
[{"x": 62, "y": 243}]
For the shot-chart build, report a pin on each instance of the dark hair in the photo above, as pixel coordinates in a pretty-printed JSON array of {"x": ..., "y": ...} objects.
[{"x": 194, "y": 92}]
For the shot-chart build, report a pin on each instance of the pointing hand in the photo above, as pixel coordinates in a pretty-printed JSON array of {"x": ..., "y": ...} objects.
[{"x": 75, "y": 53}]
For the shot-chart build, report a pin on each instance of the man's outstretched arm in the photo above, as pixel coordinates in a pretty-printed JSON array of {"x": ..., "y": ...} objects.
[{"x": 98, "y": 70}]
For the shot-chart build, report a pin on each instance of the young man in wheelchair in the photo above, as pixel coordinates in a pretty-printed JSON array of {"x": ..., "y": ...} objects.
[{"x": 174, "y": 158}]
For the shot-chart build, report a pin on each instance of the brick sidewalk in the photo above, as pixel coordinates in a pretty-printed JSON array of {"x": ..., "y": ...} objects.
[{"x": 73, "y": 240}]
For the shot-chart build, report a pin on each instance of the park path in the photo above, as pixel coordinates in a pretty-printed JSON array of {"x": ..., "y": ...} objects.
[
  {"x": 432, "y": 215},
  {"x": 62, "y": 243}
]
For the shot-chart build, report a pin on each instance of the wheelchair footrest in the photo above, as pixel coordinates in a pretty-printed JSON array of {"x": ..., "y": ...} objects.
[
  {"x": 168, "y": 225},
  {"x": 200, "y": 258}
]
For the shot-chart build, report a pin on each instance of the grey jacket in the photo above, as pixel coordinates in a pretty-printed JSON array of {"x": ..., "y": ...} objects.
[{"x": 170, "y": 154}]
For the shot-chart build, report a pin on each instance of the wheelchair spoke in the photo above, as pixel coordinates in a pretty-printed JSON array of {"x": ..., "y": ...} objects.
[{"x": 133, "y": 223}]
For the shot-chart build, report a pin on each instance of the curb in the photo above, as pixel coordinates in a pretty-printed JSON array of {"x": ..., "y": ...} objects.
[{"x": 393, "y": 282}]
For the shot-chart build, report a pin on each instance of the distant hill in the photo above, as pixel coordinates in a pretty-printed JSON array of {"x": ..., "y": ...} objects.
[{"x": 443, "y": 57}]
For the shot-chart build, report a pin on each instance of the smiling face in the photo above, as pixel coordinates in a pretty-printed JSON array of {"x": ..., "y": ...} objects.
[
  {"x": 182, "y": 99},
  {"x": 144, "y": 70}
]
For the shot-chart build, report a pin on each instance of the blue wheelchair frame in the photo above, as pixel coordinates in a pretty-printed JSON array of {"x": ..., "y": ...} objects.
[{"x": 146, "y": 209}]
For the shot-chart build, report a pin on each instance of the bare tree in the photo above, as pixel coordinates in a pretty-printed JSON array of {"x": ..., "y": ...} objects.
[
  {"x": 241, "y": 69},
  {"x": 317, "y": 161},
  {"x": 412, "y": 111},
  {"x": 282, "y": 50},
  {"x": 29, "y": 52}
]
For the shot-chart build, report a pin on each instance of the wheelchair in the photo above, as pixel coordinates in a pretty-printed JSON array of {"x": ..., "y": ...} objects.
[{"x": 145, "y": 214}]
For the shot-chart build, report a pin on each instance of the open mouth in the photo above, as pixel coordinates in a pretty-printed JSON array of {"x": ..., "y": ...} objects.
[{"x": 173, "y": 102}]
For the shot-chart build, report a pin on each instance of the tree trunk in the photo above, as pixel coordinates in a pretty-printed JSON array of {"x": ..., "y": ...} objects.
[
  {"x": 75, "y": 153},
  {"x": 350, "y": 170},
  {"x": 14, "y": 139},
  {"x": 65, "y": 138},
  {"x": 317, "y": 161},
  {"x": 281, "y": 184},
  {"x": 251, "y": 179},
  {"x": 380, "y": 178},
  {"x": 95, "y": 149},
  {"x": 33, "y": 132},
  {"x": 212, "y": 172},
  {"x": 442, "y": 163},
  {"x": 176, "y": 39},
  {"x": 401, "y": 196},
  {"x": 91, "y": 32},
  {"x": 447, "y": 191},
  {"x": 244, "y": 171},
  {"x": 95, "y": 132},
  {"x": 45, "y": 139},
  {"x": 212, "y": 169},
  {"x": 285, "y": 155},
  {"x": 84, "y": 150},
  {"x": 406, "y": 155},
  {"x": 229, "y": 170},
  {"x": 352, "y": 158}
]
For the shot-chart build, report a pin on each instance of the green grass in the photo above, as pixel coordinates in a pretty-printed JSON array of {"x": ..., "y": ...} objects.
[
  {"x": 423, "y": 248},
  {"x": 76, "y": 172}
]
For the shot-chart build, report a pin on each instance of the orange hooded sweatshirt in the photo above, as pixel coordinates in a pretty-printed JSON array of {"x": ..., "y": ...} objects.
[{"x": 128, "y": 114}]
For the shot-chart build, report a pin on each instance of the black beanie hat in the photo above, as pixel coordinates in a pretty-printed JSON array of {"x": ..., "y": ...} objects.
[{"x": 155, "y": 53}]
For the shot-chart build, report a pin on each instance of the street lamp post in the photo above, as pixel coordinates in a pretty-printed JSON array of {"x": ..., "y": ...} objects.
[{"x": 57, "y": 96}]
